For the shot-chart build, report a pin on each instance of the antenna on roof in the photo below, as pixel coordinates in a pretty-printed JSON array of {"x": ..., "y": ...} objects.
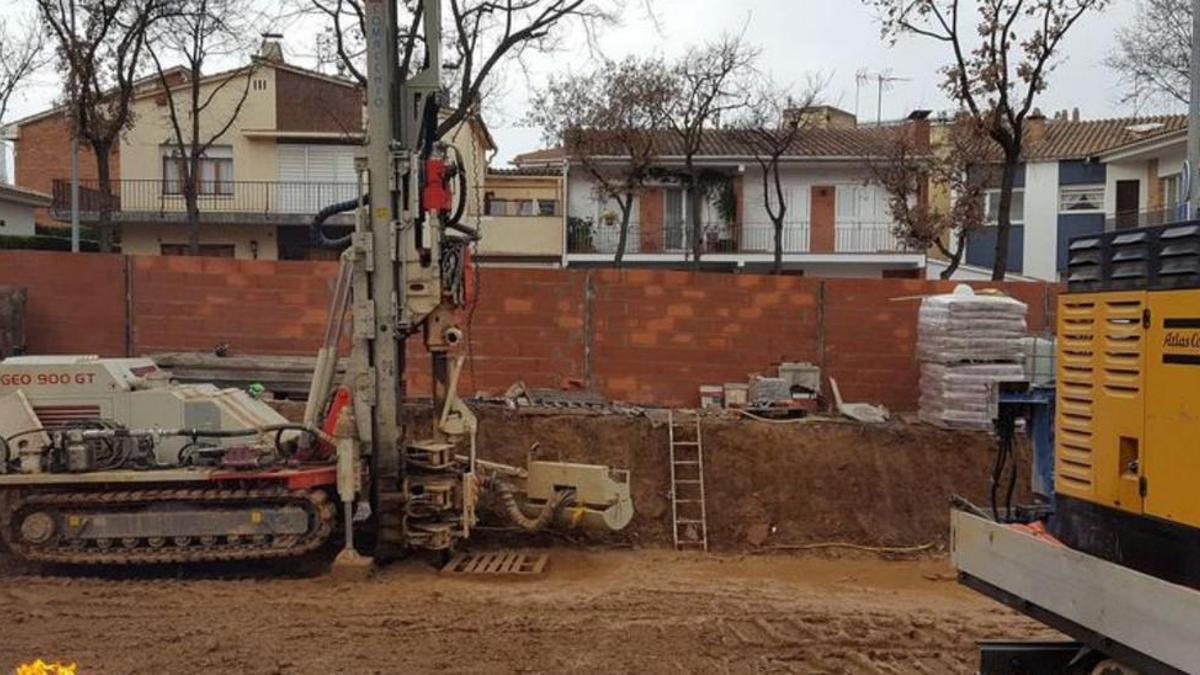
[{"x": 884, "y": 80}]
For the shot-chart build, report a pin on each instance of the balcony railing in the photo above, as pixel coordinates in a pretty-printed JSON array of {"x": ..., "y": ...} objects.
[
  {"x": 1147, "y": 218},
  {"x": 164, "y": 200},
  {"x": 755, "y": 238}
]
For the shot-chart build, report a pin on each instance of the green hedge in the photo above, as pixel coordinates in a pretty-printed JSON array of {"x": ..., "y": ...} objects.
[{"x": 40, "y": 242}]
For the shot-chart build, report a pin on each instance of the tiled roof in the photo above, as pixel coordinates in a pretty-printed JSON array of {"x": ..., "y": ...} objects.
[
  {"x": 859, "y": 142},
  {"x": 544, "y": 156},
  {"x": 525, "y": 171},
  {"x": 1067, "y": 139}
]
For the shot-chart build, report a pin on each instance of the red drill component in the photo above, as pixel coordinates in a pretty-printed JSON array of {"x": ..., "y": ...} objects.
[{"x": 435, "y": 194}]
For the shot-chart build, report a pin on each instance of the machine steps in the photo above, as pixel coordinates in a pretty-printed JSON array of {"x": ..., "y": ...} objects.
[{"x": 689, "y": 515}]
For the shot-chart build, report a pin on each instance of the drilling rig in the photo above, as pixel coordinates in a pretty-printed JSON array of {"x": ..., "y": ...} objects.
[{"x": 107, "y": 461}]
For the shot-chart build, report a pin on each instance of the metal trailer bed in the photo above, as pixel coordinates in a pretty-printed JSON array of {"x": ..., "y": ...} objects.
[{"x": 1141, "y": 621}]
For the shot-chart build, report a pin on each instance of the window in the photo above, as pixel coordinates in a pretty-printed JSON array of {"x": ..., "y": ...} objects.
[
  {"x": 497, "y": 207},
  {"x": 548, "y": 207},
  {"x": 1016, "y": 212},
  {"x": 1081, "y": 198},
  {"x": 1170, "y": 190},
  {"x": 525, "y": 207},
  {"x": 206, "y": 250},
  {"x": 215, "y": 175}
]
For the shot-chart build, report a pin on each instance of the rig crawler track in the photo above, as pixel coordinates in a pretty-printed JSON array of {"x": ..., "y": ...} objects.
[{"x": 53, "y": 527}]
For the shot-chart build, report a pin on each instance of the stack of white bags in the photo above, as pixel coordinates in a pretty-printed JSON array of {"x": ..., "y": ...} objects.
[{"x": 966, "y": 343}]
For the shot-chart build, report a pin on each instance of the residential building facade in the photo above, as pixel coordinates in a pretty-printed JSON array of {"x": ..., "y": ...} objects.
[
  {"x": 1082, "y": 177},
  {"x": 522, "y": 219},
  {"x": 17, "y": 206},
  {"x": 290, "y": 150},
  {"x": 837, "y": 221}
]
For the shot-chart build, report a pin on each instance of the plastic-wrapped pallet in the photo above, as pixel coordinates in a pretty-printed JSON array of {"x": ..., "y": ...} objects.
[
  {"x": 958, "y": 395},
  {"x": 963, "y": 326}
]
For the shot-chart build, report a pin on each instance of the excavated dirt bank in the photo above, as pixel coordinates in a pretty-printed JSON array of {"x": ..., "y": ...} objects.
[{"x": 774, "y": 484}]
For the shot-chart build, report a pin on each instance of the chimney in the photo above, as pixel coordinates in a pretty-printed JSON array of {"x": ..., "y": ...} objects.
[
  {"x": 1075, "y": 114},
  {"x": 271, "y": 49},
  {"x": 917, "y": 127},
  {"x": 1035, "y": 126}
]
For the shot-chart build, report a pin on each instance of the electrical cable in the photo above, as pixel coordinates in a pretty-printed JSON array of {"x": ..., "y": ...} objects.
[{"x": 317, "y": 232}]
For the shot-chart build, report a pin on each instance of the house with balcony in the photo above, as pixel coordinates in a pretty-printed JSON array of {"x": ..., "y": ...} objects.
[
  {"x": 1082, "y": 177},
  {"x": 523, "y": 221},
  {"x": 289, "y": 151},
  {"x": 837, "y": 221}
]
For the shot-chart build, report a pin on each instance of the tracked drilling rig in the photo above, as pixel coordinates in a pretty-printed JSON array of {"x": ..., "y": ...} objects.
[{"x": 108, "y": 461}]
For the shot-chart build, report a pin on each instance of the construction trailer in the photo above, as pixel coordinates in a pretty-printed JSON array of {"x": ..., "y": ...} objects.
[
  {"x": 1110, "y": 553},
  {"x": 108, "y": 461}
]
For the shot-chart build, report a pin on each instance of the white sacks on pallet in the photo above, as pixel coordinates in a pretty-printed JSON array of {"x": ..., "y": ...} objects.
[
  {"x": 957, "y": 395},
  {"x": 963, "y": 326},
  {"x": 966, "y": 343}
]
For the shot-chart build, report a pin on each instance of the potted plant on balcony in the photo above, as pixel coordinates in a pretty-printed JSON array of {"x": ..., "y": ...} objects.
[{"x": 579, "y": 235}]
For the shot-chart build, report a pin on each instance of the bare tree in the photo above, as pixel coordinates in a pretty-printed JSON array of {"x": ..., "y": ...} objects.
[
  {"x": 615, "y": 110},
  {"x": 910, "y": 171},
  {"x": 710, "y": 82},
  {"x": 483, "y": 34},
  {"x": 997, "y": 77},
  {"x": 22, "y": 52},
  {"x": 100, "y": 45},
  {"x": 201, "y": 109},
  {"x": 772, "y": 126},
  {"x": 1154, "y": 51}
]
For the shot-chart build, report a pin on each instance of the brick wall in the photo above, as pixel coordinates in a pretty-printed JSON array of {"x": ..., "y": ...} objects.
[
  {"x": 74, "y": 304},
  {"x": 642, "y": 336},
  {"x": 43, "y": 154}
]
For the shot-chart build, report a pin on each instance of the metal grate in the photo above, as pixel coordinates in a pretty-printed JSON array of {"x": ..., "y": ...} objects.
[{"x": 498, "y": 564}]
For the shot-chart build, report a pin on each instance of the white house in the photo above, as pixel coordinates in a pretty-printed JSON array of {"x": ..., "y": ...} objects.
[
  {"x": 837, "y": 221},
  {"x": 1082, "y": 177},
  {"x": 16, "y": 210}
]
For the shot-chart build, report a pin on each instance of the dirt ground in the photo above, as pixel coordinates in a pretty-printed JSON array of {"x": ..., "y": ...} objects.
[{"x": 614, "y": 611}]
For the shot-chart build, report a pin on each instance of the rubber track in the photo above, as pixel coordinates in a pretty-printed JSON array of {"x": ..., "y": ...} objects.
[{"x": 314, "y": 502}]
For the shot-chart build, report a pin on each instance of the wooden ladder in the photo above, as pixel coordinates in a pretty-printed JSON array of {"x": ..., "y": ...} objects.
[{"x": 689, "y": 517}]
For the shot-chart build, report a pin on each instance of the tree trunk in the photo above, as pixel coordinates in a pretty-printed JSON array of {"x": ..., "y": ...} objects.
[
  {"x": 623, "y": 234},
  {"x": 193, "y": 216},
  {"x": 104, "y": 226},
  {"x": 954, "y": 258},
  {"x": 1004, "y": 217},
  {"x": 695, "y": 206},
  {"x": 778, "y": 223}
]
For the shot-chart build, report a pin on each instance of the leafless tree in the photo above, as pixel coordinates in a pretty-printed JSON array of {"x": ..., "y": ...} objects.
[
  {"x": 22, "y": 52},
  {"x": 1154, "y": 51},
  {"x": 771, "y": 127},
  {"x": 958, "y": 165},
  {"x": 710, "y": 82},
  {"x": 483, "y": 34},
  {"x": 100, "y": 48},
  {"x": 201, "y": 107},
  {"x": 615, "y": 110},
  {"x": 997, "y": 68}
]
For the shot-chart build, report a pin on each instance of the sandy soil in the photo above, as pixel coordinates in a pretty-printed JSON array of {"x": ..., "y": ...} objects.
[{"x": 625, "y": 611}]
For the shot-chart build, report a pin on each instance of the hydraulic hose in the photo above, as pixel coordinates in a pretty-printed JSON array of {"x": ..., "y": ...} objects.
[
  {"x": 316, "y": 231},
  {"x": 525, "y": 522}
]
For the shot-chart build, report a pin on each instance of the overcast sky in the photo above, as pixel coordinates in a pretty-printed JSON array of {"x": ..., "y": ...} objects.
[{"x": 837, "y": 38}]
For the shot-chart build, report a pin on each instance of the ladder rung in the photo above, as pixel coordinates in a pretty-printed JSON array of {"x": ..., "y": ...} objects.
[
  {"x": 688, "y": 521},
  {"x": 687, "y": 461},
  {"x": 688, "y": 480},
  {"x": 693, "y": 443},
  {"x": 689, "y": 501}
]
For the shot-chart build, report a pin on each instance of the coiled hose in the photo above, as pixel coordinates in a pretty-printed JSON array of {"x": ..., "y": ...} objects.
[
  {"x": 317, "y": 233},
  {"x": 509, "y": 499}
]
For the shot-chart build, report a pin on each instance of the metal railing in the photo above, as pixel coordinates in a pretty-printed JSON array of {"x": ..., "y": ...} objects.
[
  {"x": 232, "y": 197},
  {"x": 584, "y": 237},
  {"x": 1146, "y": 218}
]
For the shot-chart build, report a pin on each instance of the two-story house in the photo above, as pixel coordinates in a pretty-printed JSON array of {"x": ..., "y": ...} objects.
[
  {"x": 289, "y": 151},
  {"x": 1081, "y": 177},
  {"x": 837, "y": 221}
]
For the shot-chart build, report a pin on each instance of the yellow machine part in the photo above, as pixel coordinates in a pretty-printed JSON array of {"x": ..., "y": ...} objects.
[{"x": 1128, "y": 418}]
